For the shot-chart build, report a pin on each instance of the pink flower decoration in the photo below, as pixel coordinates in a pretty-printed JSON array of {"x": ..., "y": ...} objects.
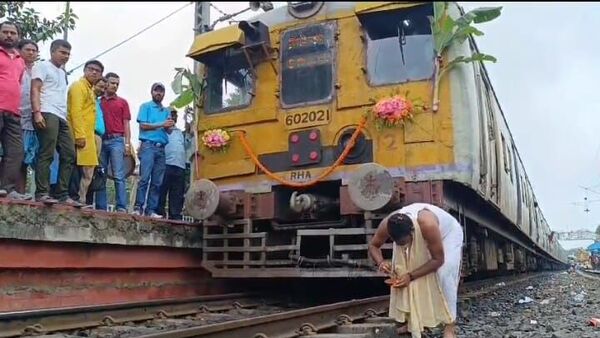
[
  {"x": 215, "y": 139},
  {"x": 393, "y": 110}
]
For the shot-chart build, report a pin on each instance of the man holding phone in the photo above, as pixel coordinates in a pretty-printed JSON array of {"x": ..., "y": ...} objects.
[{"x": 155, "y": 122}]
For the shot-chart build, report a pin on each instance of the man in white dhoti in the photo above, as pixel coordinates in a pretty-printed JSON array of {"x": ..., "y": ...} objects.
[{"x": 427, "y": 239}]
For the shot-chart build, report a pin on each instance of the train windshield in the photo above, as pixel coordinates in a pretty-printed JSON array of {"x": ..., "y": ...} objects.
[
  {"x": 229, "y": 81},
  {"x": 307, "y": 65},
  {"x": 399, "y": 45}
]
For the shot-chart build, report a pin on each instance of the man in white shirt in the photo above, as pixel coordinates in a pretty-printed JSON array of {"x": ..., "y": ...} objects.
[
  {"x": 174, "y": 180},
  {"x": 49, "y": 108}
]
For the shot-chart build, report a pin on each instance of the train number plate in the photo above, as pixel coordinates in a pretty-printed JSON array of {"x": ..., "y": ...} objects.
[{"x": 310, "y": 118}]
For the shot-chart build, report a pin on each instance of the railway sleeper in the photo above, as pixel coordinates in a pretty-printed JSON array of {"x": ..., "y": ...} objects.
[{"x": 379, "y": 327}]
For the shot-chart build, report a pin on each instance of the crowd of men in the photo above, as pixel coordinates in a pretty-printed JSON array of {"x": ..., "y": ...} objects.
[{"x": 72, "y": 136}]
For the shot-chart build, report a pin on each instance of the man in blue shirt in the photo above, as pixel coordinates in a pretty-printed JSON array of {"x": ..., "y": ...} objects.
[
  {"x": 174, "y": 180},
  {"x": 155, "y": 122}
]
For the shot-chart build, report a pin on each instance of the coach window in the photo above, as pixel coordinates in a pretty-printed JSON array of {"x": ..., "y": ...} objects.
[
  {"x": 399, "y": 45},
  {"x": 229, "y": 82},
  {"x": 307, "y": 55}
]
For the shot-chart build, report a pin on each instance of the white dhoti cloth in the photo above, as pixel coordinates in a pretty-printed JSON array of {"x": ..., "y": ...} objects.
[
  {"x": 430, "y": 300},
  {"x": 449, "y": 273}
]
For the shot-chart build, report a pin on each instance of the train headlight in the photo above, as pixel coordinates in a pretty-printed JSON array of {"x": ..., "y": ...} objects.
[{"x": 354, "y": 156}]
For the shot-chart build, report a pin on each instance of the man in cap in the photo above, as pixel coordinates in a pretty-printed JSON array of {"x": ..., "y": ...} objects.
[{"x": 155, "y": 122}]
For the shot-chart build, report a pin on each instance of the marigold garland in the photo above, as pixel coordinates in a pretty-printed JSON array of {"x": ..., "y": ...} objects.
[{"x": 216, "y": 139}]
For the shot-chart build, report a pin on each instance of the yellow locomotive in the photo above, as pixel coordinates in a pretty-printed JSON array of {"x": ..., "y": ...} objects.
[{"x": 295, "y": 171}]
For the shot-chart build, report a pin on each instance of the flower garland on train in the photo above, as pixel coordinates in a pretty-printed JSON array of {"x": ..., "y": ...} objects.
[
  {"x": 216, "y": 139},
  {"x": 395, "y": 111}
]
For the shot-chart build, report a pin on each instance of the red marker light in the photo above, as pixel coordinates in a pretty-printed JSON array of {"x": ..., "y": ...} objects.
[
  {"x": 295, "y": 158},
  {"x": 313, "y": 155},
  {"x": 313, "y": 136},
  {"x": 294, "y": 138}
]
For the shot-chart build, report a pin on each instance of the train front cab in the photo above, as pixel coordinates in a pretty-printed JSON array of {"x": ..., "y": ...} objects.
[{"x": 296, "y": 89}]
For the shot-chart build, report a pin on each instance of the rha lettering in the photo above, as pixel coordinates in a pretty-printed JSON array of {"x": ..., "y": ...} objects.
[{"x": 300, "y": 175}]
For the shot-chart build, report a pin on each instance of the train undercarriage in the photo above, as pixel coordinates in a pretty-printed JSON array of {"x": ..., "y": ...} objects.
[{"x": 321, "y": 232}]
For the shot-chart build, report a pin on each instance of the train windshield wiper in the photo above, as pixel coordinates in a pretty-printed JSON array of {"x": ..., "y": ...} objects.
[{"x": 401, "y": 41}]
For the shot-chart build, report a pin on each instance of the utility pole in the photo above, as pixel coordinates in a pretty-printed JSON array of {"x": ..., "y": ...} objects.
[
  {"x": 67, "y": 17},
  {"x": 201, "y": 22}
]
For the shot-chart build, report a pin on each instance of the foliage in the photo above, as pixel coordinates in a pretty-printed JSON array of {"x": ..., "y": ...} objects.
[
  {"x": 598, "y": 230},
  {"x": 33, "y": 26},
  {"x": 447, "y": 31},
  {"x": 188, "y": 92},
  {"x": 111, "y": 193}
]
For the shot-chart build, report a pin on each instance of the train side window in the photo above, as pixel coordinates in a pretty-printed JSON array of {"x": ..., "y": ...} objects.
[
  {"x": 399, "y": 45},
  {"x": 229, "y": 81},
  {"x": 307, "y": 60}
]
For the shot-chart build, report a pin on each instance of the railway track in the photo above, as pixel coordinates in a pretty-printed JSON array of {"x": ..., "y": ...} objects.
[
  {"x": 308, "y": 321},
  {"x": 593, "y": 274},
  {"x": 364, "y": 318},
  {"x": 78, "y": 319},
  {"x": 232, "y": 315}
]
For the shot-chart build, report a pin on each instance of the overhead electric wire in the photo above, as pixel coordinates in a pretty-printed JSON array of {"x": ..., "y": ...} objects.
[
  {"x": 133, "y": 36},
  {"x": 217, "y": 9}
]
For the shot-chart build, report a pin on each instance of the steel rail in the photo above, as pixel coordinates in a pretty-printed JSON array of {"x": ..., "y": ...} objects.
[
  {"x": 15, "y": 324},
  {"x": 287, "y": 324},
  {"x": 591, "y": 274}
]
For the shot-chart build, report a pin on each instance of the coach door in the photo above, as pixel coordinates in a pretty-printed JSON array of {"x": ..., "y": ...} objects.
[
  {"x": 489, "y": 140},
  {"x": 519, "y": 181}
]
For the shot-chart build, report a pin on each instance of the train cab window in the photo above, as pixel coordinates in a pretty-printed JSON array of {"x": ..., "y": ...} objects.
[
  {"x": 229, "y": 81},
  {"x": 399, "y": 45},
  {"x": 307, "y": 55}
]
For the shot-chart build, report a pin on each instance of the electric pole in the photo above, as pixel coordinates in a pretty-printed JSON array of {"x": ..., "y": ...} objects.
[
  {"x": 201, "y": 23},
  {"x": 67, "y": 18}
]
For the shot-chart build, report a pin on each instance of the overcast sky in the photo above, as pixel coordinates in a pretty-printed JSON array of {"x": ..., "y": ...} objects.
[{"x": 545, "y": 78}]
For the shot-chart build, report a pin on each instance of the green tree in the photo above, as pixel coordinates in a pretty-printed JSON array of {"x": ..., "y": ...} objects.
[
  {"x": 598, "y": 231},
  {"x": 33, "y": 26}
]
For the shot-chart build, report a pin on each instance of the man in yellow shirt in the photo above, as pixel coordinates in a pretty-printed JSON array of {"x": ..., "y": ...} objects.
[{"x": 81, "y": 108}]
